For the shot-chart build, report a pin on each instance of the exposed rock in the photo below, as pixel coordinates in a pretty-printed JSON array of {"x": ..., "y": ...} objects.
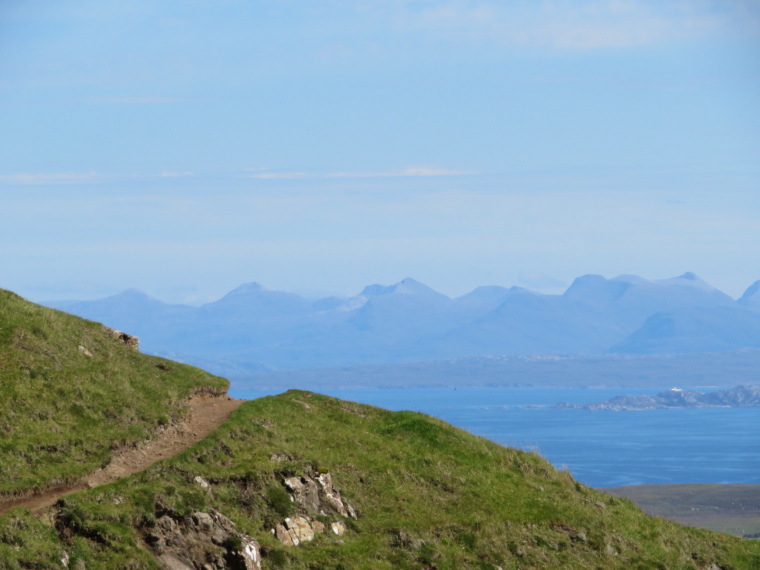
[
  {"x": 171, "y": 563},
  {"x": 84, "y": 351},
  {"x": 130, "y": 340},
  {"x": 201, "y": 481},
  {"x": 248, "y": 557},
  {"x": 333, "y": 497},
  {"x": 203, "y": 522},
  {"x": 281, "y": 533},
  {"x": 202, "y": 541},
  {"x": 294, "y": 531},
  {"x": 304, "y": 492},
  {"x": 301, "y": 527},
  {"x": 339, "y": 528},
  {"x": 312, "y": 499},
  {"x": 280, "y": 457}
]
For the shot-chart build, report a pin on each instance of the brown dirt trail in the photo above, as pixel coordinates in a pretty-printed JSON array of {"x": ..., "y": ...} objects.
[{"x": 205, "y": 415}]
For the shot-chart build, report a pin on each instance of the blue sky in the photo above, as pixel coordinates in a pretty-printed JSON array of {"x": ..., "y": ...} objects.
[{"x": 318, "y": 146}]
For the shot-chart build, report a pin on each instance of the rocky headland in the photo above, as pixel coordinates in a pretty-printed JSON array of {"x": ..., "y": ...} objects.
[{"x": 739, "y": 397}]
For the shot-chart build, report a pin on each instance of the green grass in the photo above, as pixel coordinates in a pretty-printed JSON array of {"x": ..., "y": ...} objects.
[
  {"x": 62, "y": 412},
  {"x": 428, "y": 495}
]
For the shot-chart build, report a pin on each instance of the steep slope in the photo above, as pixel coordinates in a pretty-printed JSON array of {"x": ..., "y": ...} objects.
[
  {"x": 695, "y": 330},
  {"x": 751, "y": 297},
  {"x": 382, "y": 323},
  {"x": 72, "y": 392},
  {"x": 414, "y": 493},
  {"x": 154, "y": 321},
  {"x": 531, "y": 323},
  {"x": 486, "y": 298},
  {"x": 629, "y": 300}
]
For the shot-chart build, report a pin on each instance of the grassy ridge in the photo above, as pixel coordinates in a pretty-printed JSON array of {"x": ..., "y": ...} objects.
[
  {"x": 64, "y": 408},
  {"x": 428, "y": 496}
]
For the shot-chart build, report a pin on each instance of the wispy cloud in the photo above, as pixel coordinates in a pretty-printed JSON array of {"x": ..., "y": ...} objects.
[
  {"x": 131, "y": 100},
  {"x": 169, "y": 174},
  {"x": 406, "y": 172},
  {"x": 282, "y": 175},
  {"x": 569, "y": 24},
  {"x": 47, "y": 178},
  {"x": 411, "y": 171}
]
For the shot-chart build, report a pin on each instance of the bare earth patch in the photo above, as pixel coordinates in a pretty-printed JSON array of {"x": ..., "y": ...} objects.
[{"x": 205, "y": 415}]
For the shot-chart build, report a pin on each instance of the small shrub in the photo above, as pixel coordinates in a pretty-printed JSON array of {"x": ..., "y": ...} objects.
[
  {"x": 276, "y": 558},
  {"x": 426, "y": 553},
  {"x": 279, "y": 500},
  {"x": 467, "y": 540},
  {"x": 233, "y": 543}
]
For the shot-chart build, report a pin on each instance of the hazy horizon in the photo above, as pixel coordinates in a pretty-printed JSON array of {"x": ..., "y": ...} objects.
[
  {"x": 314, "y": 294},
  {"x": 186, "y": 148}
]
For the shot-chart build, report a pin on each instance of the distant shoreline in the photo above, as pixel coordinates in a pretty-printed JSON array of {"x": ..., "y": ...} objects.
[
  {"x": 730, "y": 508},
  {"x": 675, "y": 398}
]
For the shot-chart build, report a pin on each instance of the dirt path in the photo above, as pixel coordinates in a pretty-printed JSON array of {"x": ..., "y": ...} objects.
[{"x": 205, "y": 415}]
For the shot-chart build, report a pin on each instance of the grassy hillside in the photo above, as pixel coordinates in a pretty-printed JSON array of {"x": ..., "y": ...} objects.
[
  {"x": 427, "y": 495},
  {"x": 70, "y": 393},
  {"x": 734, "y": 509}
]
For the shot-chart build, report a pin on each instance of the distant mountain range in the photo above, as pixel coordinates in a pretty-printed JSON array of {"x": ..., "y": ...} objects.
[{"x": 252, "y": 329}]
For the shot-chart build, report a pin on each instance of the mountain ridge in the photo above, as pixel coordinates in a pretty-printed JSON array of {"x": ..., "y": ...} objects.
[{"x": 408, "y": 321}]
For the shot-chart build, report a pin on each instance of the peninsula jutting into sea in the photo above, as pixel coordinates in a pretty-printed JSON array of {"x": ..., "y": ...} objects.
[{"x": 739, "y": 397}]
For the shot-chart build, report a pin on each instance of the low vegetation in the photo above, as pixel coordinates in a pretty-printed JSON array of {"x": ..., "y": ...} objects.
[
  {"x": 427, "y": 496},
  {"x": 71, "y": 393}
]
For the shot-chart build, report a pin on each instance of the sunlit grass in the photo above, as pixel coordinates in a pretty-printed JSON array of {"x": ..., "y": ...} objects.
[
  {"x": 63, "y": 411},
  {"x": 428, "y": 495}
]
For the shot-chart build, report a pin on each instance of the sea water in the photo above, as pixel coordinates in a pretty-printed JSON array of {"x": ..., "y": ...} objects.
[{"x": 600, "y": 449}]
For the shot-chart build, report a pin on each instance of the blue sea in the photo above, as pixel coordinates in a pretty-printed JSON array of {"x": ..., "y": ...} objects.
[{"x": 600, "y": 449}]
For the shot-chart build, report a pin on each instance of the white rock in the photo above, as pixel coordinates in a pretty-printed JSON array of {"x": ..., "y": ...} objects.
[{"x": 339, "y": 528}]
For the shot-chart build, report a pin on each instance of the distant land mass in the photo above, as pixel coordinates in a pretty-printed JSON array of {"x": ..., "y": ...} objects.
[
  {"x": 99, "y": 471},
  {"x": 733, "y": 509},
  {"x": 253, "y": 330},
  {"x": 604, "y": 371},
  {"x": 739, "y": 397}
]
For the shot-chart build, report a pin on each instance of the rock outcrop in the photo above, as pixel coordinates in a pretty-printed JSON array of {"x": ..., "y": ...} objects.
[
  {"x": 314, "y": 496},
  {"x": 130, "y": 340},
  {"x": 202, "y": 541},
  {"x": 739, "y": 397},
  {"x": 294, "y": 531}
]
